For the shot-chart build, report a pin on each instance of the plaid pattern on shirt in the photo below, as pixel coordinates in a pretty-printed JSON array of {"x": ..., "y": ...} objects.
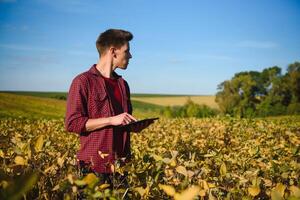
[{"x": 88, "y": 98}]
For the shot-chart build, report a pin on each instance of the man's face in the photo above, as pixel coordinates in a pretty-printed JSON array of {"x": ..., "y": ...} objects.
[{"x": 122, "y": 56}]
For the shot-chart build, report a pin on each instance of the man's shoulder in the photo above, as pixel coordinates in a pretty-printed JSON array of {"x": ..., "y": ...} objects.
[{"x": 83, "y": 77}]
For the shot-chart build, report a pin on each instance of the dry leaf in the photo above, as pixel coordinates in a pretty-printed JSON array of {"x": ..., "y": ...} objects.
[
  {"x": 103, "y": 155},
  {"x": 19, "y": 160},
  {"x": 1, "y": 153},
  {"x": 202, "y": 193},
  {"x": 295, "y": 191},
  {"x": 90, "y": 178},
  {"x": 169, "y": 190},
  {"x": 39, "y": 143},
  {"x": 188, "y": 194},
  {"x": 254, "y": 190},
  {"x": 280, "y": 188},
  {"x": 181, "y": 170}
]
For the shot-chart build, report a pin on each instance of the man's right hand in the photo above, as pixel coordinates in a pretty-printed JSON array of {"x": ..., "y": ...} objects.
[{"x": 122, "y": 119}]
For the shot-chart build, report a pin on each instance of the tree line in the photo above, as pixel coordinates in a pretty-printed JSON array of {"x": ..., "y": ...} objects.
[
  {"x": 265, "y": 93},
  {"x": 189, "y": 109}
]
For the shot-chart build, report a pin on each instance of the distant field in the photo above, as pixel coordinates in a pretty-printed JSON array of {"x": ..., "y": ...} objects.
[
  {"x": 31, "y": 105},
  {"x": 156, "y": 95},
  {"x": 150, "y": 99},
  {"x": 177, "y": 100},
  {"x": 12, "y": 105},
  {"x": 55, "y": 95}
]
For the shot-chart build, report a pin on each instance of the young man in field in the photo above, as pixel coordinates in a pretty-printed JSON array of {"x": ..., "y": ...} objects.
[{"x": 99, "y": 104}]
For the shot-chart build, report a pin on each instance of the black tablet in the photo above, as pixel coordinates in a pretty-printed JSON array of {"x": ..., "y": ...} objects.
[{"x": 136, "y": 123}]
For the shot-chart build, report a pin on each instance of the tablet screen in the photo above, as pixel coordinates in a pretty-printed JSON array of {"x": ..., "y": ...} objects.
[{"x": 136, "y": 123}]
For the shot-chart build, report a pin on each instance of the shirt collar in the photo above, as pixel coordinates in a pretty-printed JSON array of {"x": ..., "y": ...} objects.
[{"x": 94, "y": 71}]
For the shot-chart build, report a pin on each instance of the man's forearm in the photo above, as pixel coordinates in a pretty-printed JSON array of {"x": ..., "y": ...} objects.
[
  {"x": 94, "y": 124},
  {"x": 121, "y": 119}
]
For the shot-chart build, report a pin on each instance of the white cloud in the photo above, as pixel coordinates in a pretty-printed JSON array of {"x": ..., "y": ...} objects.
[{"x": 257, "y": 44}]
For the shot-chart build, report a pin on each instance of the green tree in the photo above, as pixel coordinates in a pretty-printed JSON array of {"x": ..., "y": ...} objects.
[
  {"x": 261, "y": 93},
  {"x": 294, "y": 81},
  {"x": 277, "y": 95},
  {"x": 239, "y": 95},
  {"x": 189, "y": 109},
  {"x": 227, "y": 97}
]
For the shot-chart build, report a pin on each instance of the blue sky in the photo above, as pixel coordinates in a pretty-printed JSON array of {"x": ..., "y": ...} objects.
[{"x": 179, "y": 47}]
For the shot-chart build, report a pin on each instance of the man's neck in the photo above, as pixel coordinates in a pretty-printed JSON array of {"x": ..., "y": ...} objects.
[{"x": 105, "y": 68}]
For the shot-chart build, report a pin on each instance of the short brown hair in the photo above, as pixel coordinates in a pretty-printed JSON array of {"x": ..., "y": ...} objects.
[{"x": 112, "y": 37}]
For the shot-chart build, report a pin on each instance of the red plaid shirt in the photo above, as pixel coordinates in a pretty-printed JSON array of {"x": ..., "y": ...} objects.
[{"x": 89, "y": 98}]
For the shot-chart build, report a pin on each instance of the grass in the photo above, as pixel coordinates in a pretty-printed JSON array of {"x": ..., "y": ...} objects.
[
  {"x": 31, "y": 105},
  {"x": 55, "y": 95},
  {"x": 144, "y": 110},
  {"x": 12, "y": 105}
]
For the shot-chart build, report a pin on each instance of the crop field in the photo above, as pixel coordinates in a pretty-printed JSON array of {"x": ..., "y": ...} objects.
[
  {"x": 12, "y": 105},
  {"x": 44, "y": 105},
  {"x": 211, "y": 158},
  {"x": 177, "y": 100},
  {"x": 152, "y": 99}
]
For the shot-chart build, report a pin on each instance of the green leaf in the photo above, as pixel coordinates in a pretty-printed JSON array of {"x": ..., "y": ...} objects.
[
  {"x": 223, "y": 169},
  {"x": 21, "y": 186},
  {"x": 80, "y": 182},
  {"x": 157, "y": 157}
]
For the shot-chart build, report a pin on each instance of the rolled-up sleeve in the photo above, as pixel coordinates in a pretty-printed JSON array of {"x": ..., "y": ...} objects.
[{"x": 76, "y": 112}]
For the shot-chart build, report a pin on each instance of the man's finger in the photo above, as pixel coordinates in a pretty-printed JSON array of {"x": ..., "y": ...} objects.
[
  {"x": 131, "y": 117},
  {"x": 128, "y": 120}
]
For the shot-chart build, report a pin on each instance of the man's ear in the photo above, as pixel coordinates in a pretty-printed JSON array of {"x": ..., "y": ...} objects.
[{"x": 112, "y": 51}]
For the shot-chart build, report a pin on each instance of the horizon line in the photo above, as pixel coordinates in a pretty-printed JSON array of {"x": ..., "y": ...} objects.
[{"x": 138, "y": 93}]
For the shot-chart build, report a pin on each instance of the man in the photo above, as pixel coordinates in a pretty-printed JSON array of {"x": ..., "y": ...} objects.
[{"x": 99, "y": 104}]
